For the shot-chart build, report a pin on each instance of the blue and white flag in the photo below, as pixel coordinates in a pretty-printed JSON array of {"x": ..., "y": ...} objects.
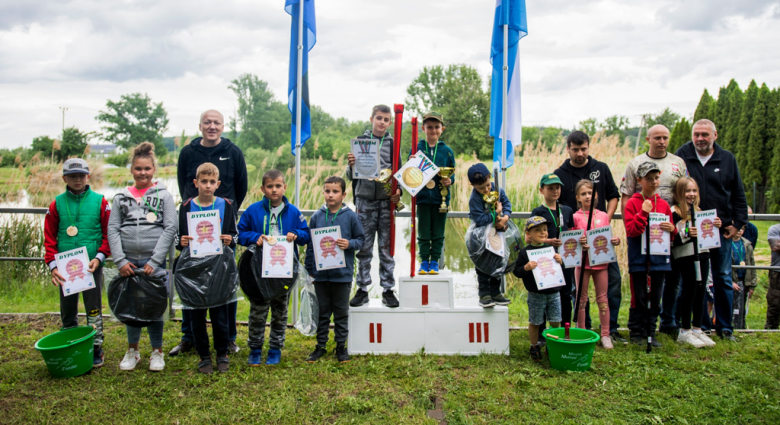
[
  {"x": 309, "y": 39},
  {"x": 512, "y": 13}
]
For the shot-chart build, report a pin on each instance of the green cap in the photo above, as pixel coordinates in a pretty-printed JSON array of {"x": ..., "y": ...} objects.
[
  {"x": 534, "y": 221},
  {"x": 550, "y": 179},
  {"x": 433, "y": 115}
]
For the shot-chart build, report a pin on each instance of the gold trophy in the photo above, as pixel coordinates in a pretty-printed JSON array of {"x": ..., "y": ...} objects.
[
  {"x": 491, "y": 198},
  {"x": 445, "y": 173},
  {"x": 385, "y": 177}
]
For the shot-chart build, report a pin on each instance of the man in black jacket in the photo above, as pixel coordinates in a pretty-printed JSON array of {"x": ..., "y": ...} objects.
[
  {"x": 229, "y": 159},
  {"x": 720, "y": 188},
  {"x": 581, "y": 166}
]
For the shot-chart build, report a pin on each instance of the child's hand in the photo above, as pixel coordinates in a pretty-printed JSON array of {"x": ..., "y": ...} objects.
[
  {"x": 342, "y": 243},
  {"x": 717, "y": 222},
  {"x": 530, "y": 266},
  {"x": 291, "y": 236},
  {"x": 615, "y": 241},
  {"x": 226, "y": 239},
  {"x": 736, "y": 287},
  {"x": 667, "y": 227},
  {"x": 185, "y": 240},
  {"x": 126, "y": 270},
  {"x": 554, "y": 242},
  {"x": 583, "y": 240},
  {"x": 93, "y": 265},
  {"x": 647, "y": 206},
  {"x": 446, "y": 182},
  {"x": 397, "y": 197},
  {"x": 56, "y": 278},
  {"x": 499, "y": 208},
  {"x": 557, "y": 258},
  {"x": 148, "y": 269},
  {"x": 260, "y": 240},
  {"x": 351, "y": 159},
  {"x": 693, "y": 232},
  {"x": 501, "y": 223}
]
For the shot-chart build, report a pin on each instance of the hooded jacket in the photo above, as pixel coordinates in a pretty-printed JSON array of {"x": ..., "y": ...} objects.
[
  {"x": 478, "y": 212},
  {"x": 598, "y": 172},
  {"x": 131, "y": 235},
  {"x": 445, "y": 157},
  {"x": 256, "y": 220},
  {"x": 374, "y": 190},
  {"x": 720, "y": 185},
  {"x": 227, "y": 218},
  {"x": 351, "y": 230},
  {"x": 229, "y": 161},
  {"x": 636, "y": 222}
]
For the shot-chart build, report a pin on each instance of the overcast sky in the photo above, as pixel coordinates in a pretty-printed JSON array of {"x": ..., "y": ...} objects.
[{"x": 580, "y": 59}]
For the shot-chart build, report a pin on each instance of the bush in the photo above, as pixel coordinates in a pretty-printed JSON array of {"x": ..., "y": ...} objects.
[{"x": 120, "y": 160}]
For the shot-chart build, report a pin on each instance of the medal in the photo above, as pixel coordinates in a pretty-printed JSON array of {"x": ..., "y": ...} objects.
[
  {"x": 431, "y": 184},
  {"x": 151, "y": 217},
  {"x": 72, "y": 231},
  {"x": 741, "y": 263},
  {"x": 271, "y": 240}
]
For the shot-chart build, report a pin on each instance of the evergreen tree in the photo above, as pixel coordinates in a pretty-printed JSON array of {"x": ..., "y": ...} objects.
[
  {"x": 743, "y": 131},
  {"x": 757, "y": 158},
  {"x": 730, "y": 115},
  {"x": 705, "y": 108},
  {"x": 773, "y": 192},
  {"x": 680, "y": 135}
]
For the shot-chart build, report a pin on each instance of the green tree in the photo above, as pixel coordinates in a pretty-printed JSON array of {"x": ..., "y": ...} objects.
[
  {"x": 263, "y": 120},
  {"x": 616, "y": 124},
  {"x": 774, "y": 176},
  {"x": 590, "y": 126},
  {"x": 134, "y": 119},
  {"x": 74, "y": 143},
  {"x": 680, "y": 135},
  {"x": 757, "y": 157},
  {"x": 43, "y": 144},
  {"x": 730, "y": 116},
  {"x": 457, "y": 92},
  {"x": 667, "y": 118},
  {"x": 705, "y": 108},
  {"x": 746, "y": 117}
]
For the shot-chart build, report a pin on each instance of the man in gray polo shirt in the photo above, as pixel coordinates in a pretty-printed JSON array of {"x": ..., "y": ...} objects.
[{"x": 773, "y": 293}]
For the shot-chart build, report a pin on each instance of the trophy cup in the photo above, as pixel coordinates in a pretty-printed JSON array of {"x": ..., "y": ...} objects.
[
  {"x": 384, "y": 178},
  {"x": 445, "y": 173}
]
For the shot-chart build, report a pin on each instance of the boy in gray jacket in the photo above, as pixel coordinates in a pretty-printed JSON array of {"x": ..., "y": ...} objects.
[
  {"x": 373, "y": 209},
  {"x": 333, "y": 285}
]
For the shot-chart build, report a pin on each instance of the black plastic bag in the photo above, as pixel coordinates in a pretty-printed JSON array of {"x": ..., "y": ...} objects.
[
  {"x": 140, "y": 299},
  {"x": 271, "y": 288},
  {"x": 248, "y": 282},
  {"x": 205, "y": 282}
]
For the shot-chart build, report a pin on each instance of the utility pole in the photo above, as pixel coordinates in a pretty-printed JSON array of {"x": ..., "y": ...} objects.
[
  {"x": 639, "y": 135},
  {"x": 63, "y": 119}
]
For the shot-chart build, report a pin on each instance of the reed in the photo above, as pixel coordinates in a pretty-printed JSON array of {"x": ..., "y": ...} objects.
[{"x": 21, "y": 236}]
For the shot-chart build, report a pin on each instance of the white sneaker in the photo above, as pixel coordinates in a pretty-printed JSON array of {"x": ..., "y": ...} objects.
[
  {"x": 708, "y": 342},
  {"x": 606, "y": 342},
  {"x": 132, "y": 357},
  {"x": 689, "y": 338},
  {"x": 156, "y": 362}
]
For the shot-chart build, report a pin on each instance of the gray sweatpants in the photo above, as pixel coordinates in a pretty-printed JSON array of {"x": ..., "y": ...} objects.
[
  {"x": 375, "y": 217},
  {"x": 93, "y": 303},
  {"x": 258, "y": 314}
]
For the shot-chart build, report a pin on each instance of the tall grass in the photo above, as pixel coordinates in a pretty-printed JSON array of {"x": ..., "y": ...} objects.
[{"x": 21, "y": 236}]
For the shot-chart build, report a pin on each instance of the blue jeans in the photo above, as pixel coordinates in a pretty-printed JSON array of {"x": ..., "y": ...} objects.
[
  {"x": 669, "y": 301},
  {"x": 720, "y": 260},
  {"x": 155, "y": 331}
]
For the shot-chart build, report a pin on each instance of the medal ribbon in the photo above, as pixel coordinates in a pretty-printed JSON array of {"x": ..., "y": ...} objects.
[
  {"x": 278, "y": 222},
  {"x": 334, "y": 217},
  {"x": 424, "y": 164},
  {"x": 740, "y": 252},
  {"x": 67, "y": 206},
  {"x": 147, "y": 203}
]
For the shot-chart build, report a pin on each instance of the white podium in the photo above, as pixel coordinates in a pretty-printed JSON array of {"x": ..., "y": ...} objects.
[{"x": 429, "y": 319}]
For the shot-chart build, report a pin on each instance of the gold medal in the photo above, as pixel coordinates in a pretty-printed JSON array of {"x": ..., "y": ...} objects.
[
  {"x": 271, "y": 240},
  {"x": 431, "y": 184},
  {"x": 72, "y": 231},
  {"x": 151, "y": 217},
  {"x": 741, "y": 263},
  {"x": 412, "y": 177}
]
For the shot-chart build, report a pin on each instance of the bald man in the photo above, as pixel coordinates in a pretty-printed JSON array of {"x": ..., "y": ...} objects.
[{"x": 229, "y": 159}]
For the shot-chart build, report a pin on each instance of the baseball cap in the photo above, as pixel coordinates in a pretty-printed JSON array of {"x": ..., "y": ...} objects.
[
  {"x": 477, "y": 168},
  {"x": 550, "y": 179},
  {"x": 75, "y": 166},
  {"x": 433, "y": 115},
  {"x": 646, "y": 168},
  {"x": 534, "y": 221}
]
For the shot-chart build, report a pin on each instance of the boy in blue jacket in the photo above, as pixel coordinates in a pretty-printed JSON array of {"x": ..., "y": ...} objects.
[
  {"x": 482, "y": 215},
  {"x": 333, "y": 285},
  {"x": 274, "y": 216}
]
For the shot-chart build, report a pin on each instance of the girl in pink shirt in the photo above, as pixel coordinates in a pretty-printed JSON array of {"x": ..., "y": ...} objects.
[{"x": 584, "y": 194}]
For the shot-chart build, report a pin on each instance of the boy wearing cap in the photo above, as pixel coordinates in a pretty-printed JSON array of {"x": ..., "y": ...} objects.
[
  {"x": 559, "y": 219},
  {"x": 79, "y": 218},
  {"x": 541, "y": 303},
  {"x": 483, "y": 214},
  {"x": 430, "y": 220},
  {"x": 637, "y": 213}
]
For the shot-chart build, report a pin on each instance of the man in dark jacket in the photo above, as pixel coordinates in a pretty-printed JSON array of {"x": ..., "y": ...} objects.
[
  {"x": 229, "y": 159},
  {"x": 581, "y": 166},
  {"x": 720, "y": 188}
]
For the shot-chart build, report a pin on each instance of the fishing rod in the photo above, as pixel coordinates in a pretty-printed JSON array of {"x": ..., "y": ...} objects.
[
  {"x": 399, "y": 116},
  {"x": 584, "y": 255},
  {"x": 648, "y": 316},
  {"x": 414, "y": 200}
]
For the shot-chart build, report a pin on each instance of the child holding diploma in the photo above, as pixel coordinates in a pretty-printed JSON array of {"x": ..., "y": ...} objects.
[
  {"x": 333, "y": 285},
  {"x": 79, "y": 217},
  {"x": 261, "y": 224},
  {"x": 207, "y": 181}
]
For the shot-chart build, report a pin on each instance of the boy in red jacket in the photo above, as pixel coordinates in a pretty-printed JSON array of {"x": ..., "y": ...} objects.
[{"x": 637, "y": 214}]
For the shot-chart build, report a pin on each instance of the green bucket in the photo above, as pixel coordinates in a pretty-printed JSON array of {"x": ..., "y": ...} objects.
[
  {"x": 68, "y": 353},
  {"x": 575, "y": 354}
]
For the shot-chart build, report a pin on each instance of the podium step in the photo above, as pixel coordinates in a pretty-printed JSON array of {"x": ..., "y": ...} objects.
[{"x": 428, "y": 292}]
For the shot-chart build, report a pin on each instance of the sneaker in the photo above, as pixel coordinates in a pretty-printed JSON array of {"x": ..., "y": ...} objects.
[
  {"x": 389, "y": 299},
  {"x": 183, "y": 347},
  {"x": 655, "y": 343},
  {"x": 255, "y": 357},
  {"x": 434, "y": 267},
  {"x": 704, "y": 338},
  {"x": 132, "y": 357},
  {"x": 97, "y": 356},
  {"x": 618, "y": 339},
  {"x": 689, "y": 338},
  {"x": 233, "y": 348},
  {"x": 672, "y": 332},
  {"x": 274, "y": 357},
  {"x": 316, "y": 354},
  {"x": 727, "y": 336},
  {"x": 606, "y": 342},
  {"x": 638, "y": 340},
  {"x": 360, "y": 298},
  {"x": 205, "y": 366},
  {"x": 423, "y": 268},
  {"x": 536, "y": 353},
  {"x": 223, "y": 364},
  {"x": 501, "y": 300},
  {"x": 156, "y": 361},
  {"x": 486, "y": 301},
  {"x": 341, "y": 354}
]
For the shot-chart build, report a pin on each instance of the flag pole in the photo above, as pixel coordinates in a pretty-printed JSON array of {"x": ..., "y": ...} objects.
[
  {"x": 503, "y": 119},
  {"x": 298, "y": 109}
]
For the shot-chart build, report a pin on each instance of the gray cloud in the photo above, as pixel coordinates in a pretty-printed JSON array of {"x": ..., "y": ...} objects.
[{"x": 710, "y": 15}]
